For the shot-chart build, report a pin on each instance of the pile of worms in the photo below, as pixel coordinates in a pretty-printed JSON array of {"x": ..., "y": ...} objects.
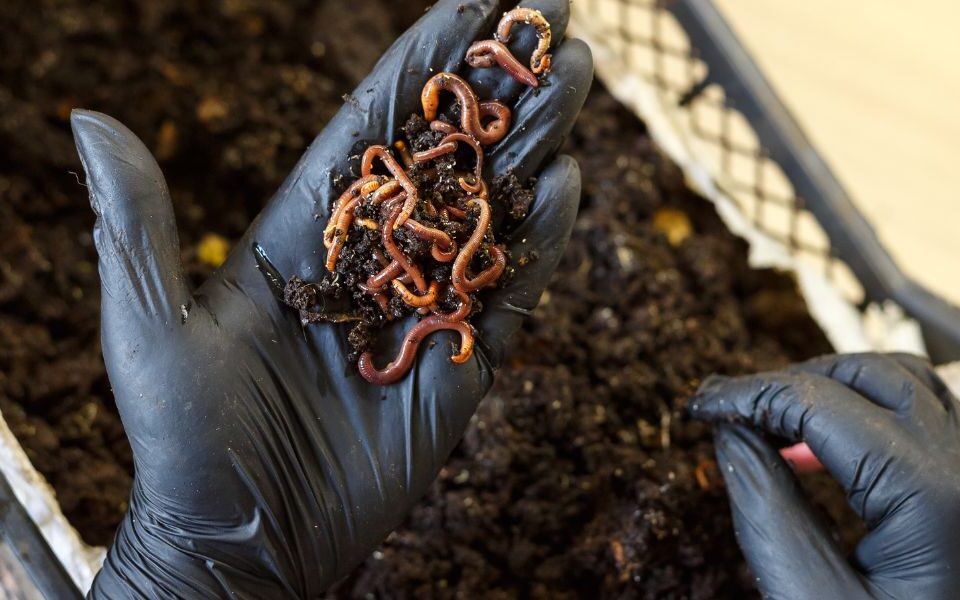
[{"x": 416, "y": 236}]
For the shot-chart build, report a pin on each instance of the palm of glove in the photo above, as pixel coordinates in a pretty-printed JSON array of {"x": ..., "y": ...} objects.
[
  {"x": 263, "y": 462},
  {"x": 887, "y": 428}
]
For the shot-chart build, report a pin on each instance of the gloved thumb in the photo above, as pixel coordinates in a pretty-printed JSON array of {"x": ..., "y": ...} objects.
[
  {"x": 787, "y": 547},
  {"x": 135, "y": 234}
]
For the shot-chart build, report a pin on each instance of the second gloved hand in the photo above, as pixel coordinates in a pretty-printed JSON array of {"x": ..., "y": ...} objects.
[{"x": 887, "y": 428}]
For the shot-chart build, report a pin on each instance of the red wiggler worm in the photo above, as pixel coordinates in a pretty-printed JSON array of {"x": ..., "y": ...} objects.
[
  {"x": 486, "y": 53},
  {"x": 540, "y": 59},
  {"x": 414, "y": 300},
  {"x": 458, "y": 276},
  {"x": 470, "y": 108},
  {"x": 396, "y": 254},
  {"x": 399, "y": 366},
  {"x": 383, "y": 153},
  {"x": 444, "y": 249},
  {"x": 354, "y": 190}
]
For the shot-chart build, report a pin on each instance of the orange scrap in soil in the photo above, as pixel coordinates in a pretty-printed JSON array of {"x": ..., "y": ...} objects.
[
  {"x": 456, "y": 226},
  {"x": 706, "y": 474}
]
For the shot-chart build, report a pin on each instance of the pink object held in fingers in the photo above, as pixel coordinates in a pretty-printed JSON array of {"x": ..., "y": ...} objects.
[{"x": 801, "y": 458}]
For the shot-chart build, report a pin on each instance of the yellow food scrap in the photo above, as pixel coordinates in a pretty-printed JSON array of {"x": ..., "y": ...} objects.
[
  {"x": 212, "y": 250},
  {"x": 211, "y": 109},
  {"x": 674, "y": 224}
]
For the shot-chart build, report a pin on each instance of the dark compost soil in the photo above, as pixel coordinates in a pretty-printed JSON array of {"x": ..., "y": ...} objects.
[{"x": 580, "y": 474}]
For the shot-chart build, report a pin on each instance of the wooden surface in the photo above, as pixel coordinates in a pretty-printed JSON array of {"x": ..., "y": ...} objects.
[{"x": 876, "y": 85}]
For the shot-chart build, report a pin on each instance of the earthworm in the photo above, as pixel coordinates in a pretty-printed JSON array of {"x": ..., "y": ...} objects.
[
  {"x": 399, "y": 366},
  {"x": 540, "y": 59},
  {"x": 404, "y": 153},
  {"x": 442, "y": 127},
  {"x": 329, "y": 231},
  {"x": 443, "y": 249},
  {"x": 380, "y": 258},
  {"x": 429, "y": 209},
  {"x": 491, "y": 274},
  {"x": 456, "y": 212},
  {"x": 486, "y": 53},
  {"x": 343, "y": 223},
  {"x": 383, "y": 153},
  {"x": 502, "y": 117},
  {"x": 480, "y": 186},
  {"x": 396, "y": 254},
  {"x": 381, "y": 299},
  {"x": 414, "y": 300},
  {"x": 477, "y": 187},
  {"x": 484, "y": 193},
  {"x": 389, "y": 272},
  {"x": 458, "y": 276},
  {"x": 471, "y": 109},
  {"x": 463, "y": 310},
  {"x": 341, "y": 229},
  {"x": 448, "y": 145},
  {"x": 371, "y": 186},
  {"x": 387, "y": 190},
  {"x": 437, "y": 151}
]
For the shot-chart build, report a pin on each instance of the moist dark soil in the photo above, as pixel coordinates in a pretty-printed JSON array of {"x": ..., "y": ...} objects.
[{"x": 579, "y": 476}]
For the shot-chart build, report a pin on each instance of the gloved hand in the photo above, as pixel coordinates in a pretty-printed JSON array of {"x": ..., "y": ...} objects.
[
  {"x": 886, "y": 427},
  {"x": 265, "y": 466}
]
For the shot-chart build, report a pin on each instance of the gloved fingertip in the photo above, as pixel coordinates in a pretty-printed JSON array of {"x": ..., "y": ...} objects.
[
  {"x": 713, "y": 383},
  {"x": 577, "y": 56},
  {"x": 117, "y": 163},
  {"x": 564, "y": 168},
  {"x": 91, "y": 128},
  {"x": 82, "y": 117},
  {"x": 703, "y": 404},
  {"x": 746, "y": 459}
]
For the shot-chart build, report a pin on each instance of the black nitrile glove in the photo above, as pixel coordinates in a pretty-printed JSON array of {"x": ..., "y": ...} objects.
[
  {"x": 886, "y": 427},
  {"x": 265, "y": 466}
]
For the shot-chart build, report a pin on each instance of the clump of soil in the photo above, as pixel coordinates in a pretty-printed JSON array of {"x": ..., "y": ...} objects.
[
  {"x": 580, "y": 474},
  {"x": 357, "y": 283}
]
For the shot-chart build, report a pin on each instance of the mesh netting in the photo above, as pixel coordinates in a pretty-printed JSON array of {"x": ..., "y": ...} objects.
[{"x": 646, "y": 58}]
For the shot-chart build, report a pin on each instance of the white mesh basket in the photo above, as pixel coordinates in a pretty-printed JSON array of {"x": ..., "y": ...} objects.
[{"x": 680, "y": 68}]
